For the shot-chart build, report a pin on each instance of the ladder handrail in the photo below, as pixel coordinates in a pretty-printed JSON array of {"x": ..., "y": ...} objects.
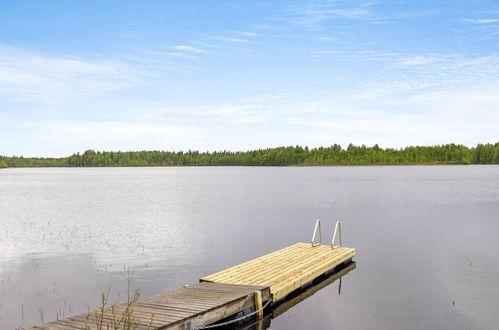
[
  {"x": 337, "y": 229},
  {"x": 317, "y": 225}
]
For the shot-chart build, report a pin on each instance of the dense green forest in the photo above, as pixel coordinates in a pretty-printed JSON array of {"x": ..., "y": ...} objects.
[{"x": 282, "y": 156}]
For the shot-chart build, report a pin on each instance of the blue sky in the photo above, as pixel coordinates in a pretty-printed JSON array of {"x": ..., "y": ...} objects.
[{"x": 238, "y": 75}]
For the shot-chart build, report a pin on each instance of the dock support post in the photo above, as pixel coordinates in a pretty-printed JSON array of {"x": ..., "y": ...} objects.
[
  {"x": 258, "y": 304},
  {"x": 188, "y": 325}
]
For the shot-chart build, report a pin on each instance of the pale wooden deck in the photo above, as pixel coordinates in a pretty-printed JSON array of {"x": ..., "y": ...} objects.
[
  {"x": 285, "y": 270},
  {"x": 202, "y": 304}
]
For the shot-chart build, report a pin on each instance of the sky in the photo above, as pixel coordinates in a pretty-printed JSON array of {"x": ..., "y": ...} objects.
[{"x": 240, "y": 75}]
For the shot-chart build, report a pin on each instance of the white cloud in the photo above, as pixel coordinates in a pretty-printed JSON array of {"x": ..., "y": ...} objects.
[
  {"x": 246, "y": 33},
  {"x": 463, "y": 116},
  {"x": 324, "y": 38},
  {"x": 33, "y": 77},
  {"x": 416, "y": 60},
  {"x": 421, "y": 98},
  {"x": 314, "y": 14},
  {"x": 245, "y": 110},
  {"x": 177, "y": 54},
  {"x": 190, "y": 49},
  {"x": 120, "y": 135},
  {"x": 325, "y": 52},
  {"x": 481, "y": 20},
  {"x": 230, "y": 39}
]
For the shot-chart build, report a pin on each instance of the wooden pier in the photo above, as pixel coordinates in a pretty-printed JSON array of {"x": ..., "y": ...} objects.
[
  {"x": 201, "y": 304},
  {"x": 285, "y": 270},
  {"x": 269, "y": 278}
]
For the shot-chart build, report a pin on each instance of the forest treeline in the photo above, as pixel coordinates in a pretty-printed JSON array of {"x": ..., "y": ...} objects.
[{"x": 281, "y": 156}]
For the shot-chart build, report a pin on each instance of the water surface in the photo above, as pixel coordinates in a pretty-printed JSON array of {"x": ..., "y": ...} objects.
[{"x": 427, "y": 238}]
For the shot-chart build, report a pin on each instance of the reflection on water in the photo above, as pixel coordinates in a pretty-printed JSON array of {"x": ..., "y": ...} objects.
[
  {"x": 318, "y": 284},
  {"x": 426, "y": 237},
  {"x": 44, "y": 288},
  {"x": 253, "y": 324}
]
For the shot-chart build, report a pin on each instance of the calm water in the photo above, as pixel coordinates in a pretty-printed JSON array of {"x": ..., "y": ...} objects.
[{"x": 427, "y": 238}]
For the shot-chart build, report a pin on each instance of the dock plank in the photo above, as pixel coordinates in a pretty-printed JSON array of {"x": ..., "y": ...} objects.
[
  {"x": 202, "y": 304},
  {"x": 285, "y": 270}
]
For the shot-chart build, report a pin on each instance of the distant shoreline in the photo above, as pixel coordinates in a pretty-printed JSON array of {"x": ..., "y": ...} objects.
[
  {"x": 299, "y": 165},
  {"x": 246, "y": 166},
  {"x": 334, "y": 155}
]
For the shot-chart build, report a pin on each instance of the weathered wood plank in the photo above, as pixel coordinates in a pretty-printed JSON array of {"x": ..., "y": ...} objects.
[{"x": 202, "y": 303}]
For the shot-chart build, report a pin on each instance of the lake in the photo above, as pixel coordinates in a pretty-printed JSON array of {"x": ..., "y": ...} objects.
[{"x": 427, "y": 238}]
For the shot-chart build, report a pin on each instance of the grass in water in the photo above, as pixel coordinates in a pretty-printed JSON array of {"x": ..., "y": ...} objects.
[{"x": 116, "y": 317}]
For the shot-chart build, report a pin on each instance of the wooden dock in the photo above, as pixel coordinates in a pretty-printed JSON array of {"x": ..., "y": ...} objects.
[
  {"x": 201, "y": 304},
  {"x": 285, "y": 270},
  {"x": 225, "y": 293}
]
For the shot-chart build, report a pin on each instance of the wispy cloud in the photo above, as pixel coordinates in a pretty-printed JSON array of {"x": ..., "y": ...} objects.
[
  {"x": 182, "y": 55},
  {"x": 326, "y": 52},
  {"x": 313, "y": 15},
  {"x": 190, "y": 49},
  {"x": 416, "y": 60},
  {"x": 33, "y": 77},
  {"x": 115, "y": 135},
  {"x": 307, "y": 73},
  {"x": 231, "y": 39},
  {"x": 245, "y": 33},
  {"x": 324, "y": 38},
  {"x": 420, "y": 100},
  {"x": 244, "y": 110},
  {"x": 481, "y": 20}
]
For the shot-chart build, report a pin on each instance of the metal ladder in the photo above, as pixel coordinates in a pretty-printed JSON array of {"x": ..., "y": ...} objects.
[{"x": 337, "y": 231}]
